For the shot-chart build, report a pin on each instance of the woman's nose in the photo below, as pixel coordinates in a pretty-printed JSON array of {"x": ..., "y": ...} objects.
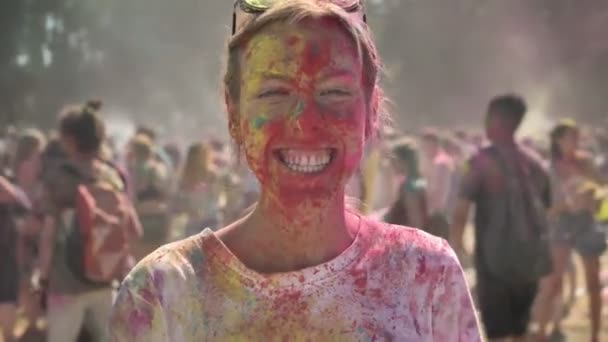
[{"x": 306, "y": 116}]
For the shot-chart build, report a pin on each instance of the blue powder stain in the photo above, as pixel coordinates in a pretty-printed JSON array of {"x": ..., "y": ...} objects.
[
  {"x": 260, "y": 121},
  {"x": 197, "y": 258}
]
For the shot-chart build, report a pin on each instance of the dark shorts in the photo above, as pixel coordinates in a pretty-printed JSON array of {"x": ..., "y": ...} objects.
[
  {"x": 581, "y": 233},
  {"x": 9, "y": 282},
  {"x": 505, "y": 308}
]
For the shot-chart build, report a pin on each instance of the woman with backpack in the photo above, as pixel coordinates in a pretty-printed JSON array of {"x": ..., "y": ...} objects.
[
  {"x": 574, "y": 180},
  {"x": 302, "y": 98},
  {"x": 88, "y": 223}
]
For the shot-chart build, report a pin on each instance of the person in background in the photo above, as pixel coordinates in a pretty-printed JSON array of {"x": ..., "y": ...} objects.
[
  {"x": 574, "y": 179},
  {"x": 159, "y": 153},
  {"x": 457, "y": 151},
  {"x": 27, "y": 167},
  {"x": 410, "y": 207},
  {"x": 73, "y": 302},
  {"x": 510, "y": 191},
  {"x": 302, "y": 99},
  {"x": 438, "y": 168},
  {"x": 200, "y": 190},
  {"x": 13, "y": 206},
  {"x": 150, "y": 187},
  {"x": 173, "y": 152}
]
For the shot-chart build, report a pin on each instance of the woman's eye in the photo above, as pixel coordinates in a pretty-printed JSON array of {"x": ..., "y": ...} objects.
[{"x": 273, "y": 93}]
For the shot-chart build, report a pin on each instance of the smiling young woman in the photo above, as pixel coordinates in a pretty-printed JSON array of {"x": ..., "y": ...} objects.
[{"x": 302, "y": 97}]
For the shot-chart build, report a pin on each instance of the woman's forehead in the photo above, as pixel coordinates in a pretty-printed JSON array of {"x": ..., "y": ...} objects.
[{"x": 289, "y": 45}]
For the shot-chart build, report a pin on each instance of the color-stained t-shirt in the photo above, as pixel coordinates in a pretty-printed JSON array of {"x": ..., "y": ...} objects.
[{"x": 392, "y": 284}]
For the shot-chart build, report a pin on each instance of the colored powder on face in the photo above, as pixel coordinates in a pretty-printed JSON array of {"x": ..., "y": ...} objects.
[
  {"x": 298, "y": 110},
  {"x": 260, "y": 121}
]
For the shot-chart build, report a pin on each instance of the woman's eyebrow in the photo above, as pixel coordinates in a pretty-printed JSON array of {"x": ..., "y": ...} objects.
[
  {"x": 337, "y": 73},
  {"x": 270, "y": 76}
]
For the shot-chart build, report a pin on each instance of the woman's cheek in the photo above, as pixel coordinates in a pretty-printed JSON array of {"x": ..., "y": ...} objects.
[{"x": 352, "y": 134}]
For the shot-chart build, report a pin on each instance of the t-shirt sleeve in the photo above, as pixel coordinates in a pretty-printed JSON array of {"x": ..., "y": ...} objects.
[
  {"x": 454, "y": 315},
  {"x": 471, "y": 181},
  {"x": 137, "y": 314}
]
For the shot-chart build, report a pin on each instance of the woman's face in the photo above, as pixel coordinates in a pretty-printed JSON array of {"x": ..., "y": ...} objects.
[
  {"x": 302, "y": 112},
  {"x": 568, "y": 143},
  {"x": 30, "y": 168}
]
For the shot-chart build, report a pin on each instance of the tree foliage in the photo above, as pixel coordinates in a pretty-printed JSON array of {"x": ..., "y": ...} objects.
[{"x": 160, "y": 61}]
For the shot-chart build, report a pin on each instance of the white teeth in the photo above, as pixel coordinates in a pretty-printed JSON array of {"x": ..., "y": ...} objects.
[{"x": 306, "y": 161}]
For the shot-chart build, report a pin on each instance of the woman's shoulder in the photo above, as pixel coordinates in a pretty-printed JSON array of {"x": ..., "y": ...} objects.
[
  {"x": 412, "y": 243},
  {"x": 178, "y": 260}
]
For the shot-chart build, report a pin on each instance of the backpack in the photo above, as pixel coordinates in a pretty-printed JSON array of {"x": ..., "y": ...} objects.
[
  {"x": 515, "y": 246},
  {"x": 98, "y": 243}
]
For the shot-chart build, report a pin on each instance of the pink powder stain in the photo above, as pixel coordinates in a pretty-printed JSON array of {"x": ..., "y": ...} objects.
[
  {"x": 140, "y": 321},
  {"x": 159, "y": 284}
]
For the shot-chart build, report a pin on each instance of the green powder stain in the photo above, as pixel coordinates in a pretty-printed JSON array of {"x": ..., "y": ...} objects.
[
  {"x": 260, "y": 121},
  {"x": 298, "y": 110}
]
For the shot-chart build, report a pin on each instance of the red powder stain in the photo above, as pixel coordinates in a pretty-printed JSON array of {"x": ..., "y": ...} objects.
[
  {"x": 359, "y": 279},
  {"x": 293, "y": 40},
  {"x": 301, "y": 278},
  {"x": 421, "y": 267},
  {"x": 147, "y": 294}
]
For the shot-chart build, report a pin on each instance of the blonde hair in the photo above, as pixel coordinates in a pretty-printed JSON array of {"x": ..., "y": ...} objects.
[
  {"x": 295, "y": 11},
  {"x": 196, "y": 167},
  {"x": 141, "y": 146}
]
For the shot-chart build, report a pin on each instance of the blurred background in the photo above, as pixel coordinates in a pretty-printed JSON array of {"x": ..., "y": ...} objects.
[
  {"x": 160, "y": 61},
  {"x": 158, "y": 64}
]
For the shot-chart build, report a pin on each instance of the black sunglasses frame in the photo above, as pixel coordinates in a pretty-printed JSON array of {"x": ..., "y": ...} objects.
[{"x": 245, "y": 7}]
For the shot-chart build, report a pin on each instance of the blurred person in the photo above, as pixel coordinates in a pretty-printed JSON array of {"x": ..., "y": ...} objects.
[
  {"x": 13, "y": 206},
  {"x": 510, "y": 191},
  {"x": 27, "y": 167},
  {"x": 151, "y": 185},
  {"x": 438, "y": 171},
  {"x": 200, "y": 190},
  {"x": 302, "y": 98},
  {"x": 174, "y": 154},
  {"x": 574, "y": 178},
  {"x": 457, "y": 151},
  {"x": 410, "y": 207},
  {"x": 74, "y": 300},
  {"x": 603, "y": 153},
  {"x": 159, "y": 153}
]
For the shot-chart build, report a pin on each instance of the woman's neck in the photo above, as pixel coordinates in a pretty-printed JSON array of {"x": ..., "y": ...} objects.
[{"x": 282, "y": 238}]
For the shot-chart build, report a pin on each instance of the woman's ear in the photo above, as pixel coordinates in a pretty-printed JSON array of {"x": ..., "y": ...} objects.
[{"x": 233, "y": 118}]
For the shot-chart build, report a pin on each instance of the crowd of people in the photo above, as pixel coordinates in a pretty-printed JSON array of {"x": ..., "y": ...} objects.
[
  {"x": 172, "y": 198},
  {"x": 175, "y": 197},
  {"x": 161, "y": 242}
]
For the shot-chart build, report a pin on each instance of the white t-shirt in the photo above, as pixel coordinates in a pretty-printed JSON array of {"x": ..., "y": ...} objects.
[{"x": 392, "y": 284}]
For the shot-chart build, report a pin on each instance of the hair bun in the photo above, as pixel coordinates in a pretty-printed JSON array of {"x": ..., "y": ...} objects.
[{"x": 94, "y": 105}]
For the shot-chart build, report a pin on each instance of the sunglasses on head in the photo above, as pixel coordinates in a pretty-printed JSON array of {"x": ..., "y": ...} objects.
[{"x": 256, "y": 7}]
